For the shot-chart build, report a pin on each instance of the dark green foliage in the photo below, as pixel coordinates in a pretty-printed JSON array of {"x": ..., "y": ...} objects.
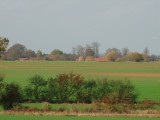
[
  {"x": 107, "y": 91},
  {"x": 1, "y": 80},
  {"x": 52, "y": 89},
  {"x": 112, "y": 92},
  {"x": 37, "y": 88},
  {"x": 56, "y": 52},
  {"x": 1, "y": 85},
  {"x": 69, "y": 87},
  {"x": 87, "y": 92},
  {"x": 11, "y": 95}
]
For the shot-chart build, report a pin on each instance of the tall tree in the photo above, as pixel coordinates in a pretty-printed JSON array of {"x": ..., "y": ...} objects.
[
  {"x": 74, "y": 51},
  {"x": 39, "y": 54},
  {"x": 138, "y": 57},
  {"x": 125, "y": 51},
  {"x": 133, "y": 56},
  {"x": 112, "y": 55},
  {"x": 114, "y": 49},
  {"x": 56, "y": 52},
  {"x": 15, "y": 52},
  {"x": 95, "y": 47},
  {"x": 11, "y": 95},
  {"x": 89, "y": 51},
  {"x": 36, "y": 87},
  {"x": 80, "y": 50},
  {"x": 146, "y": 54},
  {"x": 29, "y": 54},
  {"x": 67, "y": 85},
  {"x": 146, "y": 51},
  {"x": 3, "y": 45}
]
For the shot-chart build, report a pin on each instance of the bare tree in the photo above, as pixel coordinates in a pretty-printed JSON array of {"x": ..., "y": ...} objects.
[
  {"x": 125, "y": 51},
  {"x": 146, "y": 51},
  {"x": 80, "y": 50},
  {"x": 74, "y": 51},
  {"x": 29, "y": 54},
  {"x": 95, "y": 47},
  {"x": 89, "y": 51}
]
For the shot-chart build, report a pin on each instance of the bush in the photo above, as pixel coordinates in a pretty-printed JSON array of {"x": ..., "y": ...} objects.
[
  {"x": 37, "y": 88},
  {"x": 1, "y": 85},
  {"x": 11, "y": 96},
  {"x": 71, "y": 87},
  {"x": 115, "y": 92},
  {"x": 61, "y": 109},
  {"x": 46, "y": 106},
  {"x": 86, "y": 93},
  {"x": 146, "y": 104},
  {"x": 67, "y": 85}
]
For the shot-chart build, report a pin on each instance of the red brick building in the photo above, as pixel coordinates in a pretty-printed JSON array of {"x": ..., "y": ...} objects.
[{"x": 101, "y": 59}]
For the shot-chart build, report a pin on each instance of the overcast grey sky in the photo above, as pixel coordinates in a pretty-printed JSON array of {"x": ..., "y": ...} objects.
[{"x": 62, "y": 24}]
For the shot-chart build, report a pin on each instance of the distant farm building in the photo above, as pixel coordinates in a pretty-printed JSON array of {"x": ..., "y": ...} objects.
[
  {"x": 81, "y": 58},
  {"x": 23, "y": 59},
  {"x": 101, "y": 59}
]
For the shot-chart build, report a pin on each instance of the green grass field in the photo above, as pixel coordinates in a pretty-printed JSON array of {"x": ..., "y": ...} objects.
[
  {"x": 23, "y": 117},
  {"x": 145, "y": 76}
]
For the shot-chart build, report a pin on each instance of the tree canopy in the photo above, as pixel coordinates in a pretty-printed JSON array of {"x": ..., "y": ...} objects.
[
  {"x": 3, "y": 45},
  {"x": 56, "y": 52},
  {"x": 15, "y": 52},
  {"x": 39, "y": 54},
  {"x": 112, "y": 55}
]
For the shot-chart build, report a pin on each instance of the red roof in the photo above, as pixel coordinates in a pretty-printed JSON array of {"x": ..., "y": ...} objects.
[
  {"x": 101, "y": 59},
  {"x": 23, "y": 59}
]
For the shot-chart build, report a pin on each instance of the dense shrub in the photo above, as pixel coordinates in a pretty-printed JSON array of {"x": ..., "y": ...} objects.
[
  {"x": 51, "y": 89},
  {"x": 86, "y": 92},
  {"x": 67, "y": 86},
  {"x": 36, "y": 90},
  {"x": 1, "y": 85},
  {"x": 118, "y": 92},
  {"x": 11, "y": 96},
  {"x": 71, "y": 87},
  {"x": 46, "y": 106}
]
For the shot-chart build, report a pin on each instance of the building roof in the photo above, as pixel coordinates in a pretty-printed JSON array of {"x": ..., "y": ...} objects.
[
  {"x": 23, "y": 59},
  {"x": 101, "y": 59}
]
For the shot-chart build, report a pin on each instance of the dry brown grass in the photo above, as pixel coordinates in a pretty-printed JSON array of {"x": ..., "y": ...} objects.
[{"x": 137, "y": 113}]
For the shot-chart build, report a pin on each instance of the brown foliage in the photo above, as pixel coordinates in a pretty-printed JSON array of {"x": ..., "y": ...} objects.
[{"x": 67, "y": 84}]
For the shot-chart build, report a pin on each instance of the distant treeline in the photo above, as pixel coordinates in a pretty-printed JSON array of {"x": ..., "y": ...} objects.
[
  {"x": 67, "y": 88},
  {"x": 79, "y": 53}
]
